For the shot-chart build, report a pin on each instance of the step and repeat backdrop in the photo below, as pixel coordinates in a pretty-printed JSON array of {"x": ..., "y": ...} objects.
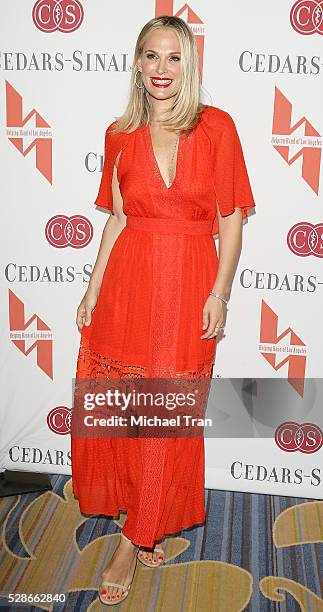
[{"x": 65, "y": 69}]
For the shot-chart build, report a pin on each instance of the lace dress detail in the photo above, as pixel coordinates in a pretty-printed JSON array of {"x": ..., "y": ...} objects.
[{"x": 91, "y": 364}]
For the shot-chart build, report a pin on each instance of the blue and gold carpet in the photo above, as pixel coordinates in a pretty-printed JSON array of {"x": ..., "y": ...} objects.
[{"x": 255, "y": 553}]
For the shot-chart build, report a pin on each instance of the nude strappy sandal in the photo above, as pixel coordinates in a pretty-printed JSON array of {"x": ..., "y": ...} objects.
[
  {"x": 151, "y": 564},
  {"x": 123, "y": 587}
]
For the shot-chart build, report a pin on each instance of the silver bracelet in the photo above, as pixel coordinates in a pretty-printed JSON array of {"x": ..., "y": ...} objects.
[{"x": 219, "y": 296}]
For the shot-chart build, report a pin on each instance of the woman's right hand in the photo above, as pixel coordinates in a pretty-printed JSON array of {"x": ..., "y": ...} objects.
[{"x": 84, "y": 311}]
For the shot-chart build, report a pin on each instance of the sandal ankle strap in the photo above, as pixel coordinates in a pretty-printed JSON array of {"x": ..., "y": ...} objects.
[{"x": 125, "y": 537}]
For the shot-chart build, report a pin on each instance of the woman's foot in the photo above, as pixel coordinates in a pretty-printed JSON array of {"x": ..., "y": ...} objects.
[
  {"x": 120, "y": 569},
  {"x": 155, "y": 557}
]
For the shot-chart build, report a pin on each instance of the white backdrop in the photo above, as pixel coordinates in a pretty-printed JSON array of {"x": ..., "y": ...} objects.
[{"x": 59, "y": 91}]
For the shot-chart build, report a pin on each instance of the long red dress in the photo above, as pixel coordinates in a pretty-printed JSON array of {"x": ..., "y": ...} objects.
[{"x": 148, "y": 318}]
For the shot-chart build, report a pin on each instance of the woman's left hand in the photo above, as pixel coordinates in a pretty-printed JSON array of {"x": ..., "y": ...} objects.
[{"x": 214, "y": 316}]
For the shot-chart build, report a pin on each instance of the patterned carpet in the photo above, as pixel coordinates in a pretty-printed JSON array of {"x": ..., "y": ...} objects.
[{"x": 255, "y": 553}]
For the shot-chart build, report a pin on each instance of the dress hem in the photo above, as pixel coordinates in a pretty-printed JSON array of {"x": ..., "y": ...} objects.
[{"x": 196, "y": 523}]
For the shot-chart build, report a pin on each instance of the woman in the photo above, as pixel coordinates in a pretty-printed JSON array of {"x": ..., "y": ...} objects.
[{"x": 174, "y": 175}]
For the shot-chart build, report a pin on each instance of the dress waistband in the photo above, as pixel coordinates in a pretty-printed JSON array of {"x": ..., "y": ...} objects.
[{"x": 170, "y": 226}]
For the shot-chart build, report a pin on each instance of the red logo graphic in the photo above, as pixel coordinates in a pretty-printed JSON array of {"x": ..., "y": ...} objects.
[
  {"x": 272, "y": 346},
  {"x": 59, "y": 420},
  {"x": 62, "y": 231},
  {"x": 306, "y": 438},
  {"x": 306, "y": 239},
  {"x": 307, "y": 143},
  {"x": 306, "y": 17},
  {"x": 62, "y": 15},
  {"x": 38, "y": 336},
  {"x": 166, "y": 7},
  {"x": 38, "y": 134}
]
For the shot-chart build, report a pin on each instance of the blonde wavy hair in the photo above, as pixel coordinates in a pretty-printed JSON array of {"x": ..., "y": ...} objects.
[{"x": 184, "y": 113}]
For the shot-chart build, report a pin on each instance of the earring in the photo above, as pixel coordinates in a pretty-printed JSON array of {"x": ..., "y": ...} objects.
[{"x": 139, "y": 87}]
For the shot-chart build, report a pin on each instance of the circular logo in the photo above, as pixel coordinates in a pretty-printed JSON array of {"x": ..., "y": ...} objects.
[
  {"x": 306, "y": 438},
  {"x": 306, "y": 17},
  {"x": 59, "y": 420},
  {"x": 62, "y": 15},
  {"x": 305, "y": 239},
  {"x": 62, "y": 231}
]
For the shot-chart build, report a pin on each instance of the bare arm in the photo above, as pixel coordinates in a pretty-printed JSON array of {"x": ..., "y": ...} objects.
[
  {"x": 230, "y": 243},
  {"x": 111, "y": 231}
]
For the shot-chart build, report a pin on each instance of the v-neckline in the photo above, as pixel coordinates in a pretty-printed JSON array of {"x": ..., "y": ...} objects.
[{"x": 152, "y": 156}]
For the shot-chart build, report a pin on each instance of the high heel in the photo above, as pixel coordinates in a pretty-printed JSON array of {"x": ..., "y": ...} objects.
[{"x": 108, "y": 583}]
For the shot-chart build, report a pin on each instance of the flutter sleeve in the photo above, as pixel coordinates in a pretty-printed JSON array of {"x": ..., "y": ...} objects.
[
  {"x": 105, "y": 197},
  {"x": 231, "y": 180}
]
